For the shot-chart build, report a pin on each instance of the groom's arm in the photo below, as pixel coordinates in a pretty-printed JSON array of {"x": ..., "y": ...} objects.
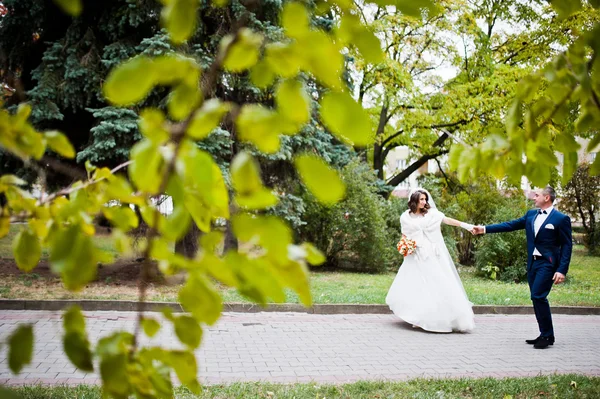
[
  {"x": 566, "y": 245},
  {"x": 517, "y": 224}
]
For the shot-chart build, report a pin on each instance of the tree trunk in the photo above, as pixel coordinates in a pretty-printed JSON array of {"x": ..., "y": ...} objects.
[
  {"x": 231, "y": 242},
  {"x": 400, "y": 177},
  {"x": 188, "y": 245}
]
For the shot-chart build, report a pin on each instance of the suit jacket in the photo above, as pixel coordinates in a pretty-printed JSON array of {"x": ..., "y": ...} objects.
[{"x": 553, "y": 240}]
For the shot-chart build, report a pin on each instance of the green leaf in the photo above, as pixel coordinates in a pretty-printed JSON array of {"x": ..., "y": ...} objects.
[
  {"x": 10, "y": 180},
  {"x": 245, "y": 178},
  {"x": 177, "y": 224},
  {"x": 200, "y": 298},
  {"x": 6, "y": 393},
  {"x": 4, "y": 226},
  {"x": 346, "y": 118},
  {"x": 595, "y": 168},
  {"x": 313, "y": 255},
  {"x": 179, "y": 19},
  {"x": 152, "y": 125},
  {"x": 514, "y": 116},
  {"x": 59, "y": 143},
  {"x": 71, "y": 7},
  {"x": 325, "y": 60},
  {"x": 130, "y": 82},
  {"x": 284, "y": 60},
  {"x": 73, "y": 320},
  {"x": 565, "y": 142},
  {"x": 205, "y": 196},
  {"x": 218, "y": 269},
  {"x": 188, "y": 331},
  {"x": 257, "y": 278},
  {"x": 261, "y": 75},
  {"x": 186, "y": 369},
  {"x": 73, "y": 256},
  {"x": 353, "y": 31},
  {"x": 569, "y": 166},
  {"x": 295, "y": 19},
  {"x": 207, "y": 118},
  {"x": 410, "y": 7},
  {"x": 113, "y": 371},
  {"x": 150, "y": 326},
  {"x": 270, "y": 232},
  {"x": 77, "y": 349},
  {"x": 323, "y": 181},
  {"x": 565, "y": 8},
  {"x": 243, "y": 53},
  {"x": 122, "y": 217},
  {"x": 183, "y": 100},
  {"x": 146, "y": 166},
  {"x": 20, "y": 348},
  {"x": 258, "y": 125},
  {"x": 27, "y": 250},
  {"x": 293, "y": 101}
]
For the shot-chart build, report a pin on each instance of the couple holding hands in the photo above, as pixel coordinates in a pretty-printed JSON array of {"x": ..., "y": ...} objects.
[{"x": 427, "y": 291}]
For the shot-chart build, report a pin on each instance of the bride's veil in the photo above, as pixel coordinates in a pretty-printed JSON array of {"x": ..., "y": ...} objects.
[{"x": 430, "y": 198}]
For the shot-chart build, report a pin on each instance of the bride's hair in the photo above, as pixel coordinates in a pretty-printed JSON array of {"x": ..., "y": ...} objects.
[{"x": 413, "y": 201}]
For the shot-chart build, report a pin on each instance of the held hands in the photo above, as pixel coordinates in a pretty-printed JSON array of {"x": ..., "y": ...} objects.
[
  {"x": 558, "y": 278},
  {"x": 477, "y": 230}
]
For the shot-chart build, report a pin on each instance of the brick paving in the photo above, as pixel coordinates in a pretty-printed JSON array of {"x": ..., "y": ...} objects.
[{"x": 299, "y": 347}]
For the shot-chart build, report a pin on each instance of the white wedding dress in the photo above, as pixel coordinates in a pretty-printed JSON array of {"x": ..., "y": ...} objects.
[{"x": 427, "y": 291}]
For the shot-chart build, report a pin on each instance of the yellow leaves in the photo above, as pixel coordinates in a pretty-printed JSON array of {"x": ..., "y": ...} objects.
[
  {"x": 352, "y": 31},
  {"x": 27, "y": 250},
  {"x": 246, "y": 181},
  {"x": 147, "y": 165},
  {"x": 258, "y": 125},
  {"x": 179, "y": 19},
  {"x": 59, "y": 143},
  {"x": 295, "y": 20},
  {"x": 205, "y": 194},
  {"x": 243, "y": 53},
  {"x": 323, "y": 181},
  {"x": 132, "y": 81},
  {"x": 346, "y": 118},
  {"x": 207, "y": 118},
  {"x": 293, "y": 102},
  {"x": 71, "y": 7}
]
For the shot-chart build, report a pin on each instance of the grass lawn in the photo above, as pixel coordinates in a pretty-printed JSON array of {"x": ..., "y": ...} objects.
[
  {"x": 566, "y": 386},
  {"x": 327, "y": 287}
]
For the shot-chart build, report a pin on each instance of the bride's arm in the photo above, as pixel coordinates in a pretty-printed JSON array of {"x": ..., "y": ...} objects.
[{"x": 454, "y": 222}]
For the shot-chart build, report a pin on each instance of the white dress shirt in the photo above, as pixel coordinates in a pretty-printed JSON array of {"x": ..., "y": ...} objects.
[{"x": 537, "y": 224}]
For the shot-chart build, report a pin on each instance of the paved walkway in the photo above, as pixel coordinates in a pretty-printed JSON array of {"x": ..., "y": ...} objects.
[{"x": 290, "y": 347}]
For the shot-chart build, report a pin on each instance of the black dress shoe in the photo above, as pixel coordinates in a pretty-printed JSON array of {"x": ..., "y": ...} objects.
[
  {"x": 543, "y": 342},
  {"x": 534, "y": 341}
]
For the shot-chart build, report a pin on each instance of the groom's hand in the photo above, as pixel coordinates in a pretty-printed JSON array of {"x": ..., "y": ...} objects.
[
  {"x": 478, "y": 230},
  {"x": 558, "y": 278}
]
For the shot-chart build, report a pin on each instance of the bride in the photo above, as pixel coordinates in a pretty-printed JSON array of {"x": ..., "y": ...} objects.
[{"x": 427, "y": 291}]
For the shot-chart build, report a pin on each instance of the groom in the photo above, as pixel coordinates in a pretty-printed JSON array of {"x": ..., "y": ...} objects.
[{"x": 548, "y": 255}]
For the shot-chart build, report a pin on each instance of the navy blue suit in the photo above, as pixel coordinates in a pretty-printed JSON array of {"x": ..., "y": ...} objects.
[{"x": 554, "y": 242}]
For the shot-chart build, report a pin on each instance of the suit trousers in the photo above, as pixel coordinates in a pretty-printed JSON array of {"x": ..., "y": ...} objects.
[{"x": 540, "y": 281}]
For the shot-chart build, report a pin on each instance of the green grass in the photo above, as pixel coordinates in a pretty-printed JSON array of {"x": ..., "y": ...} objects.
[
  {"x": 104, "y": 242},
  {"x": 342, "y": 287},
  {"x": 566, "y": 386},
  {"x": 345, "y": 287}
]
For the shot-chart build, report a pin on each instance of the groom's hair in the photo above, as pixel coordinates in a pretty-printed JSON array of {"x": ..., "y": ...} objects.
[
  {"x": 548, "y": 190},
  {"x": 413, "y": 201}
]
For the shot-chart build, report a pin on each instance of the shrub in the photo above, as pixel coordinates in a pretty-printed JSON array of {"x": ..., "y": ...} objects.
[
  {"x": 480, "y": 202},
  {"x": 360, "y": 232},
  {"x": 503, "y": 256}
]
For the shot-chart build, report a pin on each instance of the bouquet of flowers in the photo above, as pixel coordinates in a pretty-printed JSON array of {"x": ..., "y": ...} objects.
[{"x": 406, "y": 246}]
